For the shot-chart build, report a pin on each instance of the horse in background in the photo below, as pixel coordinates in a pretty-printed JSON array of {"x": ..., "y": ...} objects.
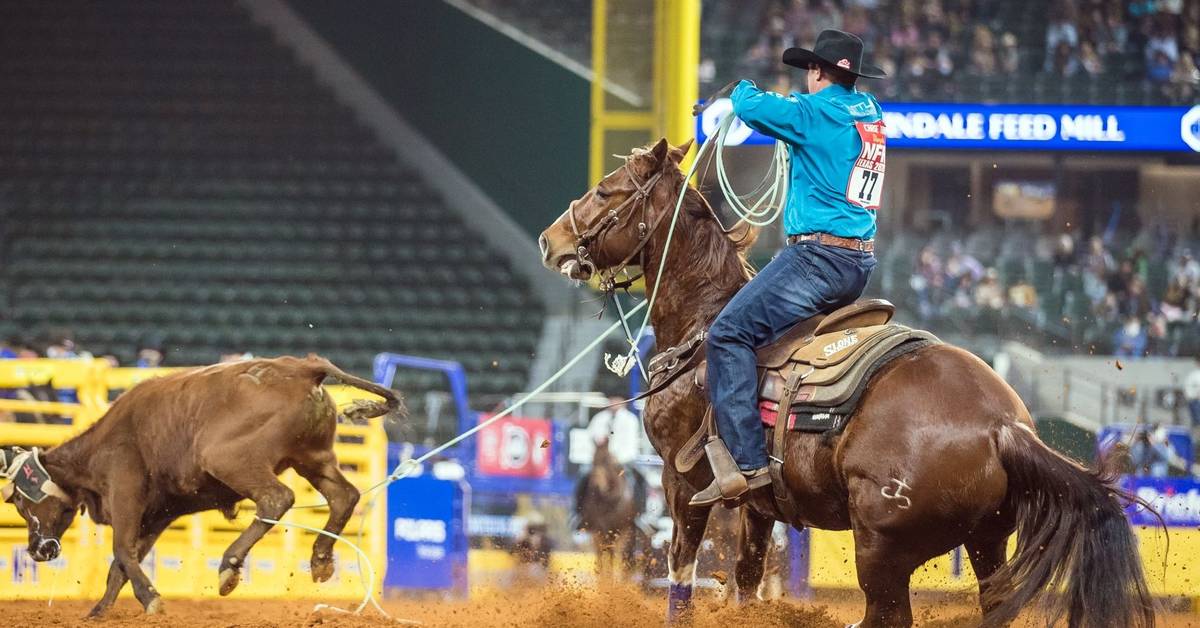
[{"x": 609, "y": 513}]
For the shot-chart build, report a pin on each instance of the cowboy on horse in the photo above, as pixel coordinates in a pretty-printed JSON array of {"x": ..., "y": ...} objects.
[{"x": 835, "y": 140}]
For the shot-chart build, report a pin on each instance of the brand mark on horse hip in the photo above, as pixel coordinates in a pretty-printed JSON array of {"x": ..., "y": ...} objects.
[{"x": 897, "y": 494}]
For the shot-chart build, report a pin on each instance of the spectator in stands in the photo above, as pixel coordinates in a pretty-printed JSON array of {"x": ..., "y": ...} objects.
[
  {"x": 1185, "y": 266},
  {"x": 1130, "y": 340},
  {"x": 1135, "y": 301},
  {"x": 1010, "y": 56},
  {"x": 1089, "y": 59},
  {"x": 1060, "y": 31},
  {"x": 1160, "y": 68},
  {"x": 1185, "y": 80},
  {"x": 1022, "y": 294},
  {"x": 983, "y": 53},
  {"x": 1063, "y": 62},
  {"x": 60, "y": 345},
  {"x": 1174, "y": 304},
  {"x": 989, "y": 294},
  {"x": 1191, "y": 393},
  {"x": 927, "y": 282},
  {"x": 1162, "y": 40},
  {"x": 149, "y": 356}
]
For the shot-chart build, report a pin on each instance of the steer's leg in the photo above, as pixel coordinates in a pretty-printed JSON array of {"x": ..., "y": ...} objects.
[
  {"x": 321, "y": 470},
  {"x": 128, "y": 506},
  {"x": 240, "y": 471},
  {"x": 116, "y": 575}
]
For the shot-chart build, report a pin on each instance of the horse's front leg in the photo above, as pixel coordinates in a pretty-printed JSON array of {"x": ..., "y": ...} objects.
[
  {"x": 689, "y": 523},
  {"x": 754, "y": 537}
]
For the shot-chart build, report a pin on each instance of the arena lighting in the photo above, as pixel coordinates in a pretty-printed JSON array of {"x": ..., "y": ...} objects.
[{"x": 944, "y": 126}]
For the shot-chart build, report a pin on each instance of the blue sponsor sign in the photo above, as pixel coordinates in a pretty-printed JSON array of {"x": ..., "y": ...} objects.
[
  {"x": 1177, "y": 500},
  {"x": 937, "y": 126},
  {"x": 1179, "y": 440},
  {"x": 427, "y": 535}
]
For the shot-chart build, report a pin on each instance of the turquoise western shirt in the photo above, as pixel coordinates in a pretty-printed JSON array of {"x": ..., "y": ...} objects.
[{"x": 824, "y": 144}]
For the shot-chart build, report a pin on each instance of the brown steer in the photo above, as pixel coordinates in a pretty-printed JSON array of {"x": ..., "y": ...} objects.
[{"x": 201, "y": 439}]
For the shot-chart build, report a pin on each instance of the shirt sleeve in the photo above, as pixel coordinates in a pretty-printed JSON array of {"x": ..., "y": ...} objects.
[
  {"x": 784, "y": 118},
  {"x": 601, "y": 426}
]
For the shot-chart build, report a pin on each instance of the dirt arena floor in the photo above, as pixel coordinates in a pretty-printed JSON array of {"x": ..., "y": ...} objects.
[{"x": 563, "y": 607}]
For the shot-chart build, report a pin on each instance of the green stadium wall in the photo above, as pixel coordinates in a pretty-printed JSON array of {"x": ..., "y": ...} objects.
[{"x": 514, "y": 121}]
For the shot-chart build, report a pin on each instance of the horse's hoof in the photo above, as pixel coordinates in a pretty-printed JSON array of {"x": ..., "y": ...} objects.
[
  {"x": 97, "y": 613},
  {"x": 322, "y": 568},
  {"x": 155, "y": 607},
  {"x": 229, "y": 579}
]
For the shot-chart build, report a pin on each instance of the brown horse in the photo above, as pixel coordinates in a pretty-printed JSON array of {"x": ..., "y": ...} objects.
[
  {"x": 608, "y": 512},
  {"x": 940, "y": 452}
]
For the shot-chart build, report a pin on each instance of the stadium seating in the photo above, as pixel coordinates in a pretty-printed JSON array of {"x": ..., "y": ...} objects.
[
  {"x": 168, "y": 173},
  {"x": 730, "y": 29}
]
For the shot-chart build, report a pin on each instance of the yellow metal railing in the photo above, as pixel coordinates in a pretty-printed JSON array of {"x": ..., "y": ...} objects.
[
  {"x": 673, "y": 45},
  {"x": 183, "y": 563}
]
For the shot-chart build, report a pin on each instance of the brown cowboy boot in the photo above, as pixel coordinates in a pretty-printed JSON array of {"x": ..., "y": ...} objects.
[
  {"x": 750, "y": 480},
  {"x": 729, "y": 482}
]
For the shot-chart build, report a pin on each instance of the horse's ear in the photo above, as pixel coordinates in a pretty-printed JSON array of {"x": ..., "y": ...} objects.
[
  {"x": 659, "y": 152},
  {"x": 681, "y": 151}
]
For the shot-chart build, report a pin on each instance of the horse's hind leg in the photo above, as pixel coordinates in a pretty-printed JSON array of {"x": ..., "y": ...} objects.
[
  {"x": 686, "y": 536},
  {"x": 754, "y": 537},
  {"x": 884, "y": 569},
  {"x": 988, "y": 552}
]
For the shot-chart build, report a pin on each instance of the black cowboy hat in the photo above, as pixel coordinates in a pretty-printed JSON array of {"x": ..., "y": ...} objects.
[{"x": 838, "y": 49}]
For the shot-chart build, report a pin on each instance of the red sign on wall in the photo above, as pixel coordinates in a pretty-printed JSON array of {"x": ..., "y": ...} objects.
[{"x": 513, "y": 447}]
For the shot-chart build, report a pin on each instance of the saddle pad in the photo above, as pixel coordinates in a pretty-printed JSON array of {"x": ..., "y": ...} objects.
[{"x": 808, "y": 418}]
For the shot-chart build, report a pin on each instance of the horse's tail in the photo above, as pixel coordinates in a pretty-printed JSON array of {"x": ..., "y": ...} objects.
[{"x": 1073, "y": 541}]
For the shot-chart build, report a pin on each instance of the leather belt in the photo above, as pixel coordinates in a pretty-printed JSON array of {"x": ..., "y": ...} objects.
[{"x": 865, "y": 246}]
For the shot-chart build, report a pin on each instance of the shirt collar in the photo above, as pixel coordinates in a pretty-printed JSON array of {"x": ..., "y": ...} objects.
[{"x": 831, "y": 91}]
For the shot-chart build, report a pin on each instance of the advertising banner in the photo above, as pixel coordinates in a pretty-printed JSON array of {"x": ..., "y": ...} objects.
[
  {"x": 940, "y": 126},
  {"x": 515, "y": 447},
  {"x": 427, "y": 534}
]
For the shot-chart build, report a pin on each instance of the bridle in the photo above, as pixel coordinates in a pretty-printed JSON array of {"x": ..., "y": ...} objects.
[{"x": 641, "y": 195}]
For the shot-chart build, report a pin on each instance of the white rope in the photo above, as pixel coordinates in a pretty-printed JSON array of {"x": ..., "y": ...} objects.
[
  {"x": 406, "y": 467},
  {"x": 768, "y": 199},
  {"x": 770, "y": 204},
  {"x": 761, "y": 212}
]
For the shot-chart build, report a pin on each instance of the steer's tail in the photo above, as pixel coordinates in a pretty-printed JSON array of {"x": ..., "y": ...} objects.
[
  {"x": 362, "y": 409},
  {"x": 1074, "y": 544}
]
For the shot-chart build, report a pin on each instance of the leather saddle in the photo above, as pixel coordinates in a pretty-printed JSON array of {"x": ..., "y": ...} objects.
[{"x": 828, "y": 360}]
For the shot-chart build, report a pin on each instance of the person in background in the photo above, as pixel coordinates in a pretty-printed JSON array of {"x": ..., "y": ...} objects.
[
  {"x": 1191, "y": 393},
  {"x": 149, "y": 357},
  {"x": 1130, "y": 340},
  {"x": 622, "y": 430}
]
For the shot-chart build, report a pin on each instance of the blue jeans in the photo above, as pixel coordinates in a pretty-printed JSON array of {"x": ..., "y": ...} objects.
[{"x": 804, "y": 280}]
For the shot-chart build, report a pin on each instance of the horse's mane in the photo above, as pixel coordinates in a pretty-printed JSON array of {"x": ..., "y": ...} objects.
[{"x": 710, "y": 263}]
